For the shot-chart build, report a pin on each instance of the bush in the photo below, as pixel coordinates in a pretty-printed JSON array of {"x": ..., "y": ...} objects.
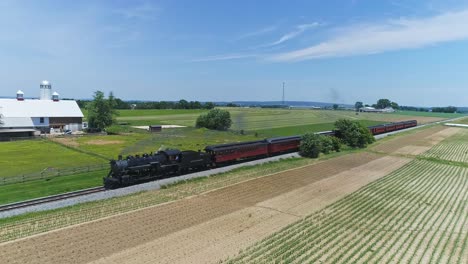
[
  {"x": 327, "y": 144},
  {"x": 336, "y": 143},
  {"x": 353, "y": 134},
  {"x": 215, "y": 119},
  {"x": 312, "y": 144}
]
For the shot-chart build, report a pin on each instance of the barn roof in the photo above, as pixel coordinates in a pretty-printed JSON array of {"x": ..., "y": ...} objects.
[{"x": 39, "y": 108}]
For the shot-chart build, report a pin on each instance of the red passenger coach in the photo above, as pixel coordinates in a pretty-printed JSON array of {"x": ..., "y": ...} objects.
[
  {"x": 375, "y": 130},
  {"x": 283, "y": 144},
  {"x": 237, "y": 151},
  {"x": 384, "y": 128}
]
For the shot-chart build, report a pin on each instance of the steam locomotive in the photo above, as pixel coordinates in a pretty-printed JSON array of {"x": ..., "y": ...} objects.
[{"x": 169, "y": 163}]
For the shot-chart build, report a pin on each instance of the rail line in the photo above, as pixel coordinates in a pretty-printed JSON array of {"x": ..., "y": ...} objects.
[{"x": 52, "y": 198}]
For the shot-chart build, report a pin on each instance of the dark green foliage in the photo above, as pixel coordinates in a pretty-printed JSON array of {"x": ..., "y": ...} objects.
[
  {"x": 312, "y": 144},
  {"x": 101, "y": 111},
  {"x": 181, "y": 104},
  {"x": 336, "y": 144},
  {"x": 448, "y": 109},
  {"x": 383, "y": 103},
  {"x": 216, "y": 119},
  {"x": 353, "y": 133},
  {"x": 327, "y": 144},
  {"x": 358, "y": 105}
]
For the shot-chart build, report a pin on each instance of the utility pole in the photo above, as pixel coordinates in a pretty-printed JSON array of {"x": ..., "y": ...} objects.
[{"x": 283, "y": 93}]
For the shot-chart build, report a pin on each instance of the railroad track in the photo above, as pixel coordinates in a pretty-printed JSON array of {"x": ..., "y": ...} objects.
[{"x": 52, "y": 198}]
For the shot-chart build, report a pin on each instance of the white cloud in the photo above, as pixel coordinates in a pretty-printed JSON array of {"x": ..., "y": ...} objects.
[
  {"x": 257, "y": 33},
  {"x": 297, "y": 32},
  {"x": 388, "y": 36},
  {"x": 144, "y": 11}
]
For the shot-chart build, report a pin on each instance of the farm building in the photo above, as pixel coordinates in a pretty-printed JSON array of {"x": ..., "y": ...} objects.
[
  {"x": 375, "y": 110},
  {"x": 27, "y": 117}
]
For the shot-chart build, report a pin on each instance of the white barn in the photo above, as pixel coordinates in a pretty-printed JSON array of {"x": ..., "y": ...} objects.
[{"x": 26, "y": 117}]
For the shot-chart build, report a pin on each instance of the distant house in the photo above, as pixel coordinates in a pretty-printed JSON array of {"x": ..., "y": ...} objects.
[{"x": 28, "y": 117}]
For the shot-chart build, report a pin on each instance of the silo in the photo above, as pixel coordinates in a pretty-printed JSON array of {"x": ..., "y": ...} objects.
[
  {"x": 55, "y": 97},
  {"x": 46, "y": 91},
  {"x": 20, "y": 95}
]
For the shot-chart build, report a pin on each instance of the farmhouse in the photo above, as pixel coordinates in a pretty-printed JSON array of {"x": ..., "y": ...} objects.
[{"x": 22, "y": 117}]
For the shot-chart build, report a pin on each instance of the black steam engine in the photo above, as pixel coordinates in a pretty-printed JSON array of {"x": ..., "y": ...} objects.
[
  {"x": 168, "y": 163},
  {"x": 162, "y": 164}
]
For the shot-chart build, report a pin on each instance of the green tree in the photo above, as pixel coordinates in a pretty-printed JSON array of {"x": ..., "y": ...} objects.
[
  {"x": 183, "y": 104},
  {"x": 353, "y": 134},
  {"x": 358, "y": 105},
  {"x": 209, "y": 105},
  {"x": 336, "y": 143},
  {"x": 394, "y": 105},
  {"x": 101, "y": 111},
  {"x": 311, "y": 145},
  {"x": 216, "y": 119},
  {"x": 335, "y": 107},
  {"x": 383, "y": 103}
]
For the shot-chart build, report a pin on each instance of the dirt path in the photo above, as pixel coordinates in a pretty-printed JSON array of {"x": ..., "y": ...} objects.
[{"x": 91, "y": 241}]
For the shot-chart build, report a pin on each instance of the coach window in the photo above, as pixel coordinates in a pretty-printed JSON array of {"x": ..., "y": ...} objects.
[{"x": 41, "y": 120}]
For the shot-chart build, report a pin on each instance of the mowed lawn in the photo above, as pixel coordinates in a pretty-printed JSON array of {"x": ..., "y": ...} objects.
[{"x": 31, "y": 156}]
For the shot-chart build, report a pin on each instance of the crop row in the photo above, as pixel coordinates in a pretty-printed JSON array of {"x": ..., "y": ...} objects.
[
  {"x": 449, "y": 151},
  {"x": 415, "y": 214}
]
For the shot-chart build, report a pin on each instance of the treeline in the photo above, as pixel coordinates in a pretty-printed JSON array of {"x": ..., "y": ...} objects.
[
  {"x": 414, "y": 108},
  {"x": 182, "y": 104},
  {"x": 448, "y": 109}
]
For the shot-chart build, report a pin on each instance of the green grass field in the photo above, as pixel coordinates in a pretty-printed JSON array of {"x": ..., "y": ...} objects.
[
  {"x": 429, "y": 114},
  {"x": 30, "y": 156},
  {"x": 252, "y": 119},
  {"x": 40, "y": 188},
  {"x": 302, "y": 129}
]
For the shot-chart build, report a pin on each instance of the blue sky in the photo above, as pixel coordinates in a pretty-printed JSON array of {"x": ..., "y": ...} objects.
[{"x": 412, "y": 52}]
